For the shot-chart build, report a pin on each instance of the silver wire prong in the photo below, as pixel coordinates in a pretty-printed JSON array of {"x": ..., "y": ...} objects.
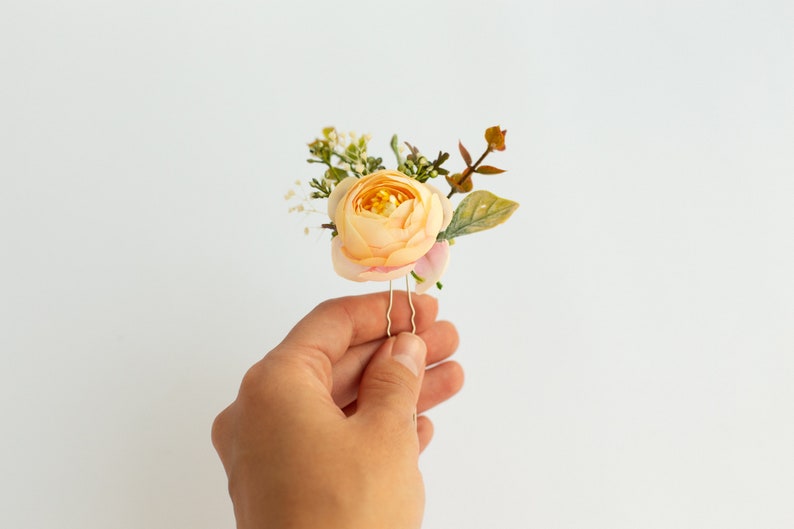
[
  {"x": 388, "y": 311},
  {"x": 411, "y": 303},
  {"x": 391, "y": 303}
]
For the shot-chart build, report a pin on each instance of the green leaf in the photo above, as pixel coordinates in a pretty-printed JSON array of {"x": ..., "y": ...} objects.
[
  {"x": 480, "y": 210},
  {"x": 336, "y": 174}
]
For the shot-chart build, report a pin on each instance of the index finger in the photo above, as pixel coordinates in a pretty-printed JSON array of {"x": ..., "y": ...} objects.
[{"x": 335, "y": 325}]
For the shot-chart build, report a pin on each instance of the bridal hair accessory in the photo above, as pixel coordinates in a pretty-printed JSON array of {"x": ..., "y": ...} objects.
[{"x": 387, "y": 224}]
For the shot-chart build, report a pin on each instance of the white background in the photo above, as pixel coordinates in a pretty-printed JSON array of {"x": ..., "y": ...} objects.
[{"x": 628, "y": 335}]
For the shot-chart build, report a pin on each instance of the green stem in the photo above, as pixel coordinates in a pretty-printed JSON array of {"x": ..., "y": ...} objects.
[{"x": 395, "y": 147}]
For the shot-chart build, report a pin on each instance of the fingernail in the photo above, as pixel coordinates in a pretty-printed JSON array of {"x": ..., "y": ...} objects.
[{"x": 410, "y": 351}]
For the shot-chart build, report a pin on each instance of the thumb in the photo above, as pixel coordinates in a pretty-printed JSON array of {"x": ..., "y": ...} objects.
[{"x": 391, "y": 383}]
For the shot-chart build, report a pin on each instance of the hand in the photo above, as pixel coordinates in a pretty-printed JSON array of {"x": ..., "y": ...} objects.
[{"x": 322, "y": 432}]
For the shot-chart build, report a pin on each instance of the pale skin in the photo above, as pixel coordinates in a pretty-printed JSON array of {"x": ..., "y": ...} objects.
[{"x": 323, "y": 432}]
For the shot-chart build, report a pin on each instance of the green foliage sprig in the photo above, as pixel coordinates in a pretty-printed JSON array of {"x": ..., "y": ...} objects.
[
  {"x": 343, "y": 158},
  {"x": 347, "y": 155}
]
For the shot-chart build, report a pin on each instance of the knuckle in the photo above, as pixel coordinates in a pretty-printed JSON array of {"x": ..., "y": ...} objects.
[
  {"x": 251, "y": 381},
  {"x": 219, "y": 430},
  {"x": 395, "y": 378}
]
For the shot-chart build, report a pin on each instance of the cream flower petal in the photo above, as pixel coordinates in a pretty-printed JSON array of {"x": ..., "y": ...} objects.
[
  {"x": 374, "y": 230},
  {"x": 342, "y": 265},
  {"x": 356, "y": 272},
  {"x": 409, "y": 255},
  {"x": 372, "y": 262},
  {"x": 446, "y": 206},
  {"x": 385, "y": 273},
  {"x": 354, "y": 241},
  {"x": 337, "y": 194},
  {"x": 432, "y": 266}
]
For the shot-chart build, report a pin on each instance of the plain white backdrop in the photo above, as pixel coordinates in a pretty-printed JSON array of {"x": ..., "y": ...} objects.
[{"x": 628, "y": 336}]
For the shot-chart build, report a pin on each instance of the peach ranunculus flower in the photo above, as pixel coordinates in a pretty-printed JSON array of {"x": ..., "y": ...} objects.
[{"x": 387, "y": 224}]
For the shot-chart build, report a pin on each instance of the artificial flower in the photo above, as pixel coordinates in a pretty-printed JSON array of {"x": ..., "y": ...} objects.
[{"x": 386, "y": 225}]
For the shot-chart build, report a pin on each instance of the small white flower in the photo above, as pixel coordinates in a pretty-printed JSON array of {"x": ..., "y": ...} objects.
[{"x": 360, "y": 167}]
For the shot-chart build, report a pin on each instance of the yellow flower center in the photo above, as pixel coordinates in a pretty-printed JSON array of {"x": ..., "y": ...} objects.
[{"x": 384, "y": 201}]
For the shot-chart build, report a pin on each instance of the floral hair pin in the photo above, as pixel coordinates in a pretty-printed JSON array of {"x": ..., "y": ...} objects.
[{"x": 388, "y": 224}]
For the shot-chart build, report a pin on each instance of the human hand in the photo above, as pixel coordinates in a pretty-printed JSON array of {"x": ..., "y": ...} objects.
[{"x": 322, "y": 432}]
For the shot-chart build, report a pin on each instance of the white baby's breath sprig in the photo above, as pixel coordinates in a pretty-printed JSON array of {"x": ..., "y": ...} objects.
[{"x": 302, "y": 201}]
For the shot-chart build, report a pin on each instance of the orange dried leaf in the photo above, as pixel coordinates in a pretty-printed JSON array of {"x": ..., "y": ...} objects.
[
  {"x": 489, "y": 169},
  {"x": 464, "y": 153},
  {"x": 495, "y": 137},
  {"x": 460, "y": 183}
]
